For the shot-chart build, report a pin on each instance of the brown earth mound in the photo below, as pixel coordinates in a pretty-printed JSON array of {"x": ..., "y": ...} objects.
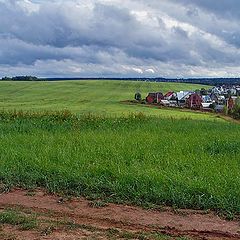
[{"x": 77, "y": 218}]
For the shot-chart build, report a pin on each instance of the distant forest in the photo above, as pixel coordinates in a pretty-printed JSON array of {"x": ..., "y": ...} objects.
[
  {"x": 205, "y": 81},
  {"x": 21, "y": 78}
]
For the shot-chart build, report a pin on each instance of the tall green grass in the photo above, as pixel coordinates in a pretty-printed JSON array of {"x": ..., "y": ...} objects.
[{"x": 136, "y": 158}]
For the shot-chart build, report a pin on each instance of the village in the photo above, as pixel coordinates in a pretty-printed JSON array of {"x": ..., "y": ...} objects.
[{"x": 219, "y": 98}]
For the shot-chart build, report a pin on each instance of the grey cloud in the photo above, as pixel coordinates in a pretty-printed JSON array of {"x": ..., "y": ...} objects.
[
  {"x": 81, "y": 38},
  {"x": 224, "y": 8}
]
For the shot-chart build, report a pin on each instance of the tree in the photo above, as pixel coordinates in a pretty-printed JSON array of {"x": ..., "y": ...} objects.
[
  {"x": 197, "y": 91},
  {"x": 235, "y": 112},
  {"x": 6, "y": 79},
  {"x": 20, "y": 78},
  {"x": 138, "y": 96},
  {"x": 203, "y": 91}
]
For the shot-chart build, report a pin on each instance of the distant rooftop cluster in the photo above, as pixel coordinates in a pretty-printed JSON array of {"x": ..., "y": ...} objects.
[{"x": 213, "y": 99}]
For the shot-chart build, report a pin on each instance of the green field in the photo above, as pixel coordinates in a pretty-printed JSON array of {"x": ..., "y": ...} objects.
[
  {"x": 181, "y": 159},
  {"x": 98, "y": 97}
]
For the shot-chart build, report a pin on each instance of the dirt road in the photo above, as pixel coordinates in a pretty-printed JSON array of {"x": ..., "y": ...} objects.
[{"x": 54, "y": 217}]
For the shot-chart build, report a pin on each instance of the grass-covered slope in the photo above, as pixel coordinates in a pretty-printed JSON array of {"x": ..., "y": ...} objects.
[
  {"x": 98, "y": 97},
  {"x": 186, "y": 163},
  {"x": 171, "y": 157}
]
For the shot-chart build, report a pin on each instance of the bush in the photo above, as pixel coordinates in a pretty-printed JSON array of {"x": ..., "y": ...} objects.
[
  {"x": 225, "y": 110},
  {"x": 138, "y": 96},
  {"x": 212, "y": 106},
  {"x": 235, "y": 112}
]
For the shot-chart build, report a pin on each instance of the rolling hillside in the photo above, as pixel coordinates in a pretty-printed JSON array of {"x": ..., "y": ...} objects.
[
  {"x": 98, "y": 97},
  {"x": 174, "y": 158}
]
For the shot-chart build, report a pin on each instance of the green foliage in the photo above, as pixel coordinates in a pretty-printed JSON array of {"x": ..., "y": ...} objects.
[
  {"x": 137, "y": 158},
  {"x": 225, "y": 110},
  {"x": 197, "y": 91},
  {"x": 203, "y": 91},
  {"x": 235, "y": 112},
  {"x": 213, "y": 105},
  {"x": 20, "y": 78},
  {"x": 138, "y": 96}
]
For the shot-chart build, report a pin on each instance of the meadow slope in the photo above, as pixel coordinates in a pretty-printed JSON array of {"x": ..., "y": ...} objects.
[
  {"x": 98, "y": 97},
  {"x": 145, "y": 160},
  {"x": 181, "y": 159}
]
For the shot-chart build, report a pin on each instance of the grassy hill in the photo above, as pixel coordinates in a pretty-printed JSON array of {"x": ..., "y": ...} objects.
[
  {"x": 181, "y": 159},
  {"x": 98, "y": 97}
]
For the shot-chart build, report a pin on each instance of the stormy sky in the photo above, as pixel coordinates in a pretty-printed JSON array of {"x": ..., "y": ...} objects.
[{"x": 120, "y": 38}]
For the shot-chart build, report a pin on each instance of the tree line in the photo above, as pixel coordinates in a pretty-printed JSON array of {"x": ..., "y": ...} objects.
[{"x": 21, "y": 78}]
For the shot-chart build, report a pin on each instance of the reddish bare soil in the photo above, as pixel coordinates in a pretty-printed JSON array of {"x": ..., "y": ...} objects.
[{"x": 78, "y": 218}]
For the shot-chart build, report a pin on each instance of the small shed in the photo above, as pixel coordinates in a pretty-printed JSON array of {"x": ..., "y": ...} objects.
[
  {"x": 150, "y": 98},
  {"x": 154, "y": 97},
  {"x": 194, "y": 101}
]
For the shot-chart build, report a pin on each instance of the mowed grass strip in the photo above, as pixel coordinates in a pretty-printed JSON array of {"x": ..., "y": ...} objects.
[{"x": 137, "y": 158}]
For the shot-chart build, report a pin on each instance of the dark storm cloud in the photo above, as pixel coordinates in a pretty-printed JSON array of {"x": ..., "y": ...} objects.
[
  {"x": 220, "y": 18},
  {"x": 82, "y": 38},
  {"x": 109, "y": 27}
]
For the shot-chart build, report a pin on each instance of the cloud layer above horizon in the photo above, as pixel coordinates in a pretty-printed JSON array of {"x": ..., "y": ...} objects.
[{"x": 115, "y": 38}]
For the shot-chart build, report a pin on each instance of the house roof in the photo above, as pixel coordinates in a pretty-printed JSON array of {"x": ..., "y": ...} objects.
[
  {"x": 168, "y": 94},
  {"x": 206, "y": 98},
  {"x": 183, "y": 94},
  {"x": 221, "y": 97}
]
